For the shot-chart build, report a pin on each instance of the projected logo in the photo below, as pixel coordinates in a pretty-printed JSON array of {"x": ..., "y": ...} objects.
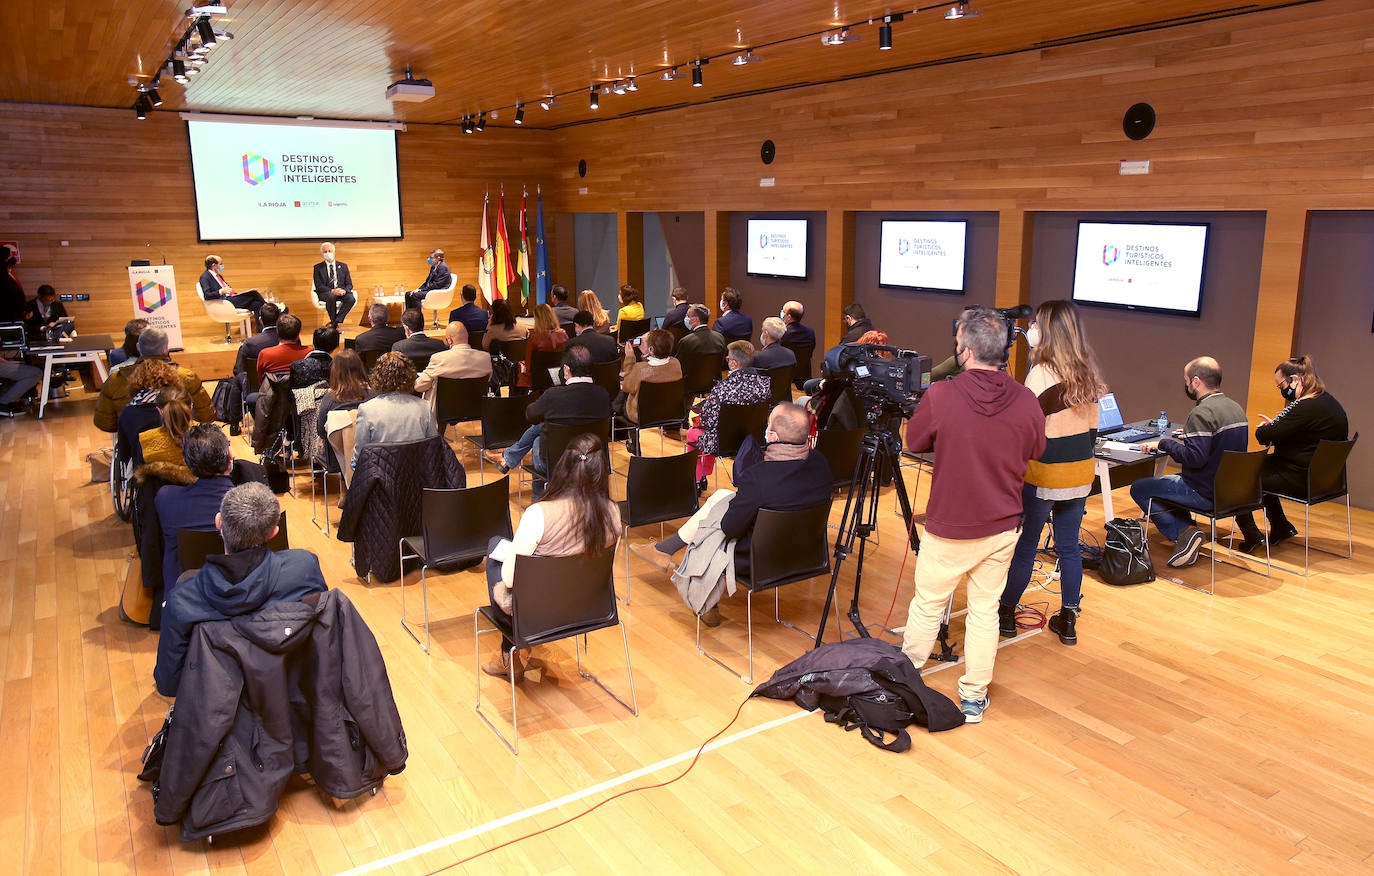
[
  {"x": 903, "y": 246},
  {"x": 151, "y": 295},
  {"x": 256, "y": 169},
  {"x": 763, "y": 241},
  {"x": 1110, "y": 254}
]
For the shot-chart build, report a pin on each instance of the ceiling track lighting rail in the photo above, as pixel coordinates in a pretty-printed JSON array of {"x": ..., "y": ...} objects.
[{"x": 188, "y": 55}]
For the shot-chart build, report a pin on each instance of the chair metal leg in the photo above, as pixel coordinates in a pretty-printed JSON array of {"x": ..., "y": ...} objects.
[
  {"x": 1306, "y": 538},
  {"x": 749, "y": 613},
  {"x": 578, "y": 646},
  {"x": 791, "y": 626},
  {"x": 513, "y": 743},
  {"x": 424, "y": 597},
  {"x": 625, "y": 539}
]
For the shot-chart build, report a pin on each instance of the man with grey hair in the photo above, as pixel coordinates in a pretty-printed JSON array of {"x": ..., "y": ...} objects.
[
  {"x": 700, "y": 338},
  {"x": 380, "y": 337},
  {"x": 114, "y": 395},
  {"x": 240, "y": 581},
  {"x": 772, "y": 354},
  {"x": 984, "y": 428}
]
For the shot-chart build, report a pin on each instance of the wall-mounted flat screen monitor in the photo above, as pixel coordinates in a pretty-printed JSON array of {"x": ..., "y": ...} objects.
[
  {"x": 285, "y": 180},
  {"x": 923, "y": 254},
  {"x": 777, "y": 248},
  {"x": 1149, "y": 266}
]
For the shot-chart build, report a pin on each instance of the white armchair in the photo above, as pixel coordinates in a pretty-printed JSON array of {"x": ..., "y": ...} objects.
[
  {"x": 223, "y": 310},
  {"x": 440, "y": 299},
  {"x": 316, "y": 300}
]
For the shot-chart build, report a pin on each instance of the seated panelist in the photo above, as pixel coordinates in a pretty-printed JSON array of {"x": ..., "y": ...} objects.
[
  {"x": 439, "y": 277},
  {"x": 334, "y": 286},
  {"x": 213, "y": 286}
]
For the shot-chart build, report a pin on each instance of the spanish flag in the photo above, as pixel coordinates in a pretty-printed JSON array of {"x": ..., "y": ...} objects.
[{"x": 505, "y": 274}]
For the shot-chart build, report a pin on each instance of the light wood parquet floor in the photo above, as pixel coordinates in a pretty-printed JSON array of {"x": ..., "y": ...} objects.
[{"x": 1185, "y": 733}]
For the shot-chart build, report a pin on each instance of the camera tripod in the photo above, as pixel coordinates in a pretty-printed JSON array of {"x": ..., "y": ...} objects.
[{"x": 880, "y": 452}]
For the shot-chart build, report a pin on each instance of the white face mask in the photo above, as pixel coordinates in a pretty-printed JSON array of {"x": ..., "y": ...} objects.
[
  {"x": 329, "y": 256},
  {"x": 763, "y": 340},
  {"x": 1033, "y": 336}
]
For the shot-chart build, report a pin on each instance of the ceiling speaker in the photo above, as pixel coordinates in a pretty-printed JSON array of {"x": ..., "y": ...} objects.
[
  {"x": 582, "y": 167},
  {"x": 1139, "y": 121},
  {"x": 768, "y": 152}
]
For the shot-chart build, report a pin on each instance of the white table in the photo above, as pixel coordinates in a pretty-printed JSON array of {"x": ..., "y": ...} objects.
[
  {"x": 76, "y": 351},
  {"x": 1103, "y": 468}
]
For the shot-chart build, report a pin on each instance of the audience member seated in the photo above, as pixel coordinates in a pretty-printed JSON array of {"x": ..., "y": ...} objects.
[
  {"x": 213, "y": 286},
  {"x": 742, "y": 386},
  {"x": 576, "y": 515},
  {"x": 456, "y": 361},
  {"x": 732, "y": 323},
  {"x": 44, "y": 312},
  {"x": 773, "y": 354},
  {"x": 334, "y": 286},
  {"x": 561, "y": 309},
  {"x": 1310, "y": 414},
  {"x": 857, "y": 323},
  {"x": 205, "y": 450},
  {"x": 245, "y": 578},
  {"x": 417, "y": 346},
  {"x": 278, "y": 359},
  {"x": 380, "y": 337},
  {"x": 830, "y": 397},
  {"x": 600, "y": 346},
  {"x": 160, "y": 447},
  {"x": 546, "y": 336},
  {"x": 114, "y": 395},
  {"x": 631, "y": 305},
  {"x": 314, "y": 368},
  {"x": 128, "y": 351},
  {"x": 1216, "y": 424},
  {"x": 797, "y": 336},
  {"x": 791, "y": 477},
  {"x": 1066, "y": 379},
  {"x": 439, "y": 277},
  {"x": 657, "y": 367},
  {"x": 348, "y": 388},
  {"x": 502, "y": 326},
  {"x": 700, "y": 338},
  {"x": 577, "y": 401},
  {"x": 588, "y": 301},
  {"x": 252, "y": 347},
  {"x": 676, "y": 314},
  {"x": 473, "y": 317},
  {"x": 19, "y": 380},
  {"x": 395, "y": 413}
]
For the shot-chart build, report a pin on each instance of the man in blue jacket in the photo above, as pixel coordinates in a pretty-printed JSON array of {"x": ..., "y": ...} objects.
[
  {"x": 239, "y": 582},
  {"x": 731, "y": 323}
]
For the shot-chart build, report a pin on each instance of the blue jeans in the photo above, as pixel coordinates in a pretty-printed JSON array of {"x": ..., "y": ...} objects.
[
  {"x": 1068, "y": 519},
  {"x": 515, "y": 454},
  {"x": 1169, "y": 522}
]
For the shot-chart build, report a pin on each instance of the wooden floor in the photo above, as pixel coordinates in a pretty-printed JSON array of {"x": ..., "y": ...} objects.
[{"x": 1184, "y": 733}]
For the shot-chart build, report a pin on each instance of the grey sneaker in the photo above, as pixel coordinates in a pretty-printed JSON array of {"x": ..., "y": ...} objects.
[
  {"x": 1186, "y": 548},
  {"x": 973, "y": 709}
]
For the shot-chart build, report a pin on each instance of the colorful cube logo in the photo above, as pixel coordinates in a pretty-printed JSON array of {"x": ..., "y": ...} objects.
[
  {"x": 151, "y": 295},
  {"x": 1110, "y": 254},
  {"x": 256, "y": 169}
]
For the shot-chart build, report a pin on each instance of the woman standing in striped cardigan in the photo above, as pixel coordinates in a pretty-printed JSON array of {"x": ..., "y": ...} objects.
[{"x": 1066, "y": 378}]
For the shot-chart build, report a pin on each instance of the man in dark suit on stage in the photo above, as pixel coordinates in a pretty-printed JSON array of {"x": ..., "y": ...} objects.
[
  {"x": 439, "y": 278},
  {"x": 213, "y": 286},
  {"x": 334, "y": 286}
]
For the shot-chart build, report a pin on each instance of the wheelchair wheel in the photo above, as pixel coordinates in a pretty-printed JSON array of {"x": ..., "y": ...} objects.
[{"x": 121, "y": 490}]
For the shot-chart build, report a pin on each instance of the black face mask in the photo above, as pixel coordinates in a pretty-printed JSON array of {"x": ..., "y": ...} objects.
[
  {"x": 1288, "y": 393},
  {"x": 1188, "y": 391}
]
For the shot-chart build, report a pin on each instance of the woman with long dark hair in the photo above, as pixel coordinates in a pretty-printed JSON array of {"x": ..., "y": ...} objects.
[
  {"x": 1310, "y": 414},
  {"x": 502, "y": 325},
  {"x": 1065, "y": 377},
  {"x": 348, "y": 388},
  {"x": 576, "y": 515}
]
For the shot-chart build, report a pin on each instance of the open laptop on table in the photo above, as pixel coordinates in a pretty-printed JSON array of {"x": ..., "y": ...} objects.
[{"x": 1111, "y": 426}]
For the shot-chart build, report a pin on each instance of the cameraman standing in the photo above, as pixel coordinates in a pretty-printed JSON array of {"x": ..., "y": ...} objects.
[{"x": 984, "y": 428}]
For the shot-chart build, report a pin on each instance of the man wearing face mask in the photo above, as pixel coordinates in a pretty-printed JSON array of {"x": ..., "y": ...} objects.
[
  {"x": 771, "y": 352},
  {"x": 439, "y": 278},
  {"x": 790, "y": 477},
  {"x": 334, "y": 286},
  {"x": 1216, "y": 424},
  {"x": 213, "y": 286}
]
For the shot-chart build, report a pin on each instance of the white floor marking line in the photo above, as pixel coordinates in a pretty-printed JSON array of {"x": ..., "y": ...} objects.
[{"x": 480, "y": 829}]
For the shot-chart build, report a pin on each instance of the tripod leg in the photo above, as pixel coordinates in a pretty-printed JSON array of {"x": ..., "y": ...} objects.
[
  {"x": 844, "y": 541},
  {"x": 946, "y": 653}
]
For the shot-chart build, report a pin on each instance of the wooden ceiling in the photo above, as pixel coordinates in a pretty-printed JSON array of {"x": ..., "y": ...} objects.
[{"x": 335, "y": 58}]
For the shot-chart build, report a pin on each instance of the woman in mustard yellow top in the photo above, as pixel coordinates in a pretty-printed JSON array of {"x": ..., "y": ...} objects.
[
  {"x": 631, "y": 305},
  {"x": 1066, "y": 378}
]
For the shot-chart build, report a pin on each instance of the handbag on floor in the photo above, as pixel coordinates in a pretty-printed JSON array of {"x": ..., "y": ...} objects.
[{"x": 1126, "y": 553}]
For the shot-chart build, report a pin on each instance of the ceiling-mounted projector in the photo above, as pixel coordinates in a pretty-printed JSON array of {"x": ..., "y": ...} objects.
[{"x": 410, "y": 88}]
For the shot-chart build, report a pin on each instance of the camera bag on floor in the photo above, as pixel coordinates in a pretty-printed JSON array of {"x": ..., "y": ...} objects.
[
  {"x": 1126, "y": 554},
  {"x": 864, "y": 684}
]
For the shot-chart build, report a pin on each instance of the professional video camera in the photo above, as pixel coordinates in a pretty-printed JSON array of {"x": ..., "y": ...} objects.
[
  {"x": 885, "y": 385},
  {"x": 1009, "y": 316}
]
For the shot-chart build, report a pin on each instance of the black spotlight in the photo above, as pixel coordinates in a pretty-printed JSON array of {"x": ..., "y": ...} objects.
[
  {"x": 520, "y": 114},
  {"x": 206, "y": 32},
  {"x": 154, "y": 98},
  {"x": 696, "y": 76},
  {"x": 179, "y": 70},
  {"x": 595, "y": 97},
  {"x": 467, "y": 125},
  {"x": 885, "y": 36},
  {"x": 141, "y": 108},
  {"x": 482, "y": 122}
]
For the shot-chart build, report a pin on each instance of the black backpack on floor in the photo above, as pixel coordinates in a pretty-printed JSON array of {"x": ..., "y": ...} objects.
[{"x": 1126, "y": 554}]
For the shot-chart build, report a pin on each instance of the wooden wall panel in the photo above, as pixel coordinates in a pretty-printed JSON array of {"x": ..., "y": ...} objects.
[{"x": 108, "y": 184}]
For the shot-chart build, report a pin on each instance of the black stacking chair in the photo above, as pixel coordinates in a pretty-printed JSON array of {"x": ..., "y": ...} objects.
[
  {"x": 555, "y": 598},
  {"x": 1325, "y": 482},
  {"x": 607, "y": 376},
  {"x": 457, "y": 526},
  {"x": 787, "y": 546},
  {"x": 841, "y": 448},
  {"x": 458, "y": 400},
  {"x": 540, "y": 363},
  {"x": 475, "y": 340},
  {"x": 737, "y": 421},
  {"x": 627, "y": 329},
  {"x": 554, "y": 438},
  {"x": 802, "y": 372},
  {"x": 370, "y": 358},
  {"x": 657, "y": 489},
  {"x": 730, "y": 339},
  {"x": 781, "y": 383},
  {"x": 1235, "y": 490},
  {"x": 660, "y": 406},
  {"x": 503, "y": 422},
  {"x": 700, "y": 372}
]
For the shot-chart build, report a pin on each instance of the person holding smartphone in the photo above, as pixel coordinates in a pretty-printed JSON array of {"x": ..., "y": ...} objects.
[{"x": 658, "y": 366}]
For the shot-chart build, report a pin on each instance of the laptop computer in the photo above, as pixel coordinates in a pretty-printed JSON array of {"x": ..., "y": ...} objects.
[
  {"x": 658, "y": 322},
  {"x": 1111, "y": 425},
  {"x": 12, "y": 336}
]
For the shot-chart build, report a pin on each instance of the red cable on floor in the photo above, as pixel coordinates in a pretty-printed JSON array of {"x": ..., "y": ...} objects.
[
  {"x": 900, "y": 572},
  {"x": 592, "y": 809}
]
